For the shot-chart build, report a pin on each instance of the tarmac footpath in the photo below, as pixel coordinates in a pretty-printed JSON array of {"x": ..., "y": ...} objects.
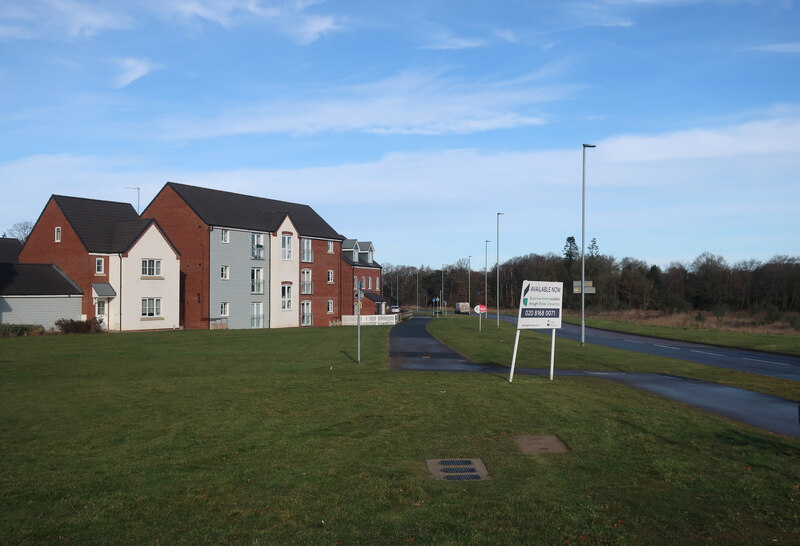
[{"x": 413, "y": 348}]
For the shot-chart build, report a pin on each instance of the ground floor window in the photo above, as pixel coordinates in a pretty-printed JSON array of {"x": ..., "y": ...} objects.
[
  {"x": 286, "y": 297},
  {"x": 223, "y": 309},
  {"x": 330, "y": 306},
  {"x": 306, "y": 319},
  {"x": 256, "y": 314},
  {"x": 151, "y": 307}
]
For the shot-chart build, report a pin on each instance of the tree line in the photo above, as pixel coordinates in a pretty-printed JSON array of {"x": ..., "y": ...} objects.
[{"x": 707, "y": 283}]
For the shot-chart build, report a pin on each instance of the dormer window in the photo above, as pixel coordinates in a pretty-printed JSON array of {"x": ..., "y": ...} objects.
[
  {"x": 355, "y": 254},
  {"x": 369, "y": 257}
]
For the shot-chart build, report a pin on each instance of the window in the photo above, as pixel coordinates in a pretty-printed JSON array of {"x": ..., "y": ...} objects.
[
  {"x": 151, "y": 268},
  {"x": 306, "y": 254},
  {"x": 257, "y": 246},
  {"x": 330, "y": 307},
  {"x": 377, "y": 285},
  {"x": 369, "y": 256},
  {"x": 363, "y": 282},
  {"x": 306, "y": 318},
  {"x": 369, "y": 282},
  {"x": 286, "y": 297},
  {"x": 330, "y": 276},
  {"x": 224, "y": 236},
  {"x": 256, "y": 280},
  {"x": 330, "y": 247},
  {"x": 355, "y": 282},
  {"x": 101, "y": 308},
  {"x": 286, "y": 246},
  {"x": 224, "y": 309},
  {"x": 355, "y": 254},
  {"x": 151, "y": 307},
  {"x": 225, "y": 272},
  {"x": 256, "y": 314},
  {"x": 58, "y": 234},
  {"x": 306, "y": 286},
  {"x": 99, "y": 266}
]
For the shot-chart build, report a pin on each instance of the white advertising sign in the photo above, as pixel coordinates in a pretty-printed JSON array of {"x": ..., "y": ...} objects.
[{"x": 540, "y": 305}]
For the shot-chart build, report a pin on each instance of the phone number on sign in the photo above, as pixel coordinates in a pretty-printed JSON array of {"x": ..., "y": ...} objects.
[{"x": 541, "y": 313}]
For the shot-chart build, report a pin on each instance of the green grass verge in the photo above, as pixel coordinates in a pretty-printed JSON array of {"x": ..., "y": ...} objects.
[
  {"x": 774, "y": 343},
  {"x": 495, "y": 346},
  {"x": 250, "y": 436}
]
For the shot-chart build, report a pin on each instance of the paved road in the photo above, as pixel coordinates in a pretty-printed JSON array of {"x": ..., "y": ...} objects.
[
  {"x": 782, "y": 366},
  {"x": 411, "y": 347}
]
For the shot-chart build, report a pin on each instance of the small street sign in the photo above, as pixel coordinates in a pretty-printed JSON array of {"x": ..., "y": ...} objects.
[{"x": 480, "y": 309}]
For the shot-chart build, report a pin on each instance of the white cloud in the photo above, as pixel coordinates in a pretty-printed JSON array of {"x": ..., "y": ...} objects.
[
  {"x": 445, "y": 41},
  {"x": 49, "y": 18},
  {"x": 410, "y": 103},
  {"x": 132, "y": 70},
  {"x": 786, "y": 47}
]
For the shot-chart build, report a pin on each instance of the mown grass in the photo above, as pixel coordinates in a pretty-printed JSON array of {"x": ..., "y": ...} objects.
[
  {"x": 494, "y": 346},
  {"x": 788, "y": 343},
  {"x": 250, "y": 436}
]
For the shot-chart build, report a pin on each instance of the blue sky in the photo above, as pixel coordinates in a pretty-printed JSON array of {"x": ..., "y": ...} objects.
[{"x": 411, "y": 124}]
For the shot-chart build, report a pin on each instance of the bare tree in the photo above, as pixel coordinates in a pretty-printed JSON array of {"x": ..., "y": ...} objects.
[{"x": 21, "y": 230}]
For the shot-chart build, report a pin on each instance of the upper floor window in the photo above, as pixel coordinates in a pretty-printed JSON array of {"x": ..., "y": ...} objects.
[
  {"x": 151, "y": 268},
  {"x": 306, "y": 254},
  {"x": 99, "y": 266},
  {"x": 257, "y": 246},
  {"x": 286, "y": 246},
  {"x": 330, "y": 247},
  {"x": 369, "y": 282},
  {"x": 224, "y": 236},
  {"x": 256, "y": 280},
  {"x": 369, "y": 256},
  {"x": 330, "y": 276},
  {"x": 355, "y": 254},
  {"x": 58, "y": 234},
  {"x": 225, "y": 272}
]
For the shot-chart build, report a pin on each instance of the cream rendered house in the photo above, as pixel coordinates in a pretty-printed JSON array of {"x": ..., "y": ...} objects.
[{"x": 285, "y": 276}]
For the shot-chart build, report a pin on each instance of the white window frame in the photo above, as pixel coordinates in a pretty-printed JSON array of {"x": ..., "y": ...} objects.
[
  {"x": 224, "y": 236},
  {"x": 330, "y": 276},
  {"x": 286, "y": 246},
  {"x": 99, "y": 266},
  {"x": 224, "y": 309},
  {"x": 306, "y": 316},
  {"x": 57, "y": 234},
  {"x": 369, "y": 282},
  {"x": 330, "y": 307},
  {"x": 225, "y": 272},
  {"x": 151, "y": 307},
  {"x": 286, "y": 297},
  {"x": 104, "y": 304},
  {"x": 330, "y": 247},
  {"x": 151, "y": 267},
  {"x": 256, "y": 280},
  {"x": 306, "y": 253},
  {"x": 257, "y": 246},
  {"x": 256, "y": 314}
]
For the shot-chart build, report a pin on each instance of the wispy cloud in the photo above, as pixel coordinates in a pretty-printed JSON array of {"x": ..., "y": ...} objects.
[
  {"x": 410, "y": 103},
  {"x": 131, "y": 70},
  {"x": 786, "y": 47},
  {"x": 54, "y": 18},
  {"x": 445, "y": 41}
]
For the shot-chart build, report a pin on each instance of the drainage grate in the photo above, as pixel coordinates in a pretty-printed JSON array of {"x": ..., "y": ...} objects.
[{"x": 457, "y": 469}]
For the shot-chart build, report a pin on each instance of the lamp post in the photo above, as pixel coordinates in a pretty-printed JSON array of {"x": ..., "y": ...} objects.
[
  {"x": 583, "y": 253},
  {"x": 418, "y": 289},
  {"x": 469, "y": 284},
  {"x": 497, "y": 294},
  {"x": 486, "y": 274},
  {"x": 441, "y": 298}
]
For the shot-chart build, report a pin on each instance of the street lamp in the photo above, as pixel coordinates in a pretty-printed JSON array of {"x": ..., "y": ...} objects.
[
  {"x": 469, "y": 284},
  {"x": 441, "y": 299},
  {"x": 486, "y": 274},
  {"x": 497, "y": 294},
  {"x": 583, "y": 253}
]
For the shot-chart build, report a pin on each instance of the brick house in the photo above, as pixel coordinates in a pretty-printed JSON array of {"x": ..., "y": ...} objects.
[
  {"x": 359, "y": 264},
  {"x": 250, "y": 262},
  {"x": 125, "y": 266}
]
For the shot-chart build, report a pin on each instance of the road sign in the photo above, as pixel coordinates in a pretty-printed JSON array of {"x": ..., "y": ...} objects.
[
  {"x": 480, "y": 309},
  {"x": 576, "y": 287}
]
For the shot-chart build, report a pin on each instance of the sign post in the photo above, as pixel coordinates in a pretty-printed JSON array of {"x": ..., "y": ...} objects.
[
  {"x": 539, "y": 309},
  {"x": 480, "y": 309}
]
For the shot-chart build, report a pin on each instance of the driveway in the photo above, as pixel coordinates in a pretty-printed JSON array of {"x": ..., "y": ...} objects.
[{"x": 413, "y": 348}]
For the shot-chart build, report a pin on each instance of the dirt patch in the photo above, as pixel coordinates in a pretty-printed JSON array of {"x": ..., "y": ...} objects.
[{"x": 536, "y": 445}]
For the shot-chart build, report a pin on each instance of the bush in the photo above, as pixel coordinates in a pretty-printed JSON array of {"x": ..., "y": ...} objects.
[
  {"x": 14, "y": 330},
  {"x": 699, "y": 317},
  {"x": 70, "y": 326}
]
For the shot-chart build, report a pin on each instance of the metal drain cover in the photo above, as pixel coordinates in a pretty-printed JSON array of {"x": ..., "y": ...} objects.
[{"x": 461, "y": 469}]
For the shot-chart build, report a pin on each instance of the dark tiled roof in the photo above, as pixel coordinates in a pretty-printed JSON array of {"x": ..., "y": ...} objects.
[
  {"x": 9, "y": 250},
  {"x": 102, "y": 226},
  {"x": 35, "y": 280},
  {"x": 374, "y": 297},
  {"x": 348, "y": 259},
  {"x": 234, "y": 210}
]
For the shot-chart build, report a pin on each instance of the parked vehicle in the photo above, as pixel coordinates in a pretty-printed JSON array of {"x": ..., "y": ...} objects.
[
  {"x": 462, "y": 308},
  {"x": 394, "y": 309}
]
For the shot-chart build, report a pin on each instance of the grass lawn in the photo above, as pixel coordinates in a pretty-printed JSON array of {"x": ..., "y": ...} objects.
[
  {"x": 788, "y": 343},
  {"x": 250, "y": 436}
]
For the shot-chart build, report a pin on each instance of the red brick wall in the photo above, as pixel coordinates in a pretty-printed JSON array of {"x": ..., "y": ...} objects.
[
  {"x": 322, "y": 290},
  {"x": 348, "y": 271},
  {"x": 189, "y": 234},
  {"x": 70, "y": 254}
]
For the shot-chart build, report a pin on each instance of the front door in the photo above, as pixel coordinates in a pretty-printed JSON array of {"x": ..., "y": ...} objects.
[{"x": 101, "y": 312}]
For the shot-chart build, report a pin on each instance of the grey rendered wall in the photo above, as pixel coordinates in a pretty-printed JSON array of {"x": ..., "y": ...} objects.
[
  {"x": 236, "y": 290},
  {"x": 39, "y": 309}
]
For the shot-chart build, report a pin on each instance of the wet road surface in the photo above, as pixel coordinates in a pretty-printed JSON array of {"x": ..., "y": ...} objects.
[{"x": 413, "y": 348}]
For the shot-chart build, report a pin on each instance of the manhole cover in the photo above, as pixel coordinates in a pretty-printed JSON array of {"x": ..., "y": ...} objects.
[
  {"x": 457, "y": 469},
  {"x": 533, "y": 445}
]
